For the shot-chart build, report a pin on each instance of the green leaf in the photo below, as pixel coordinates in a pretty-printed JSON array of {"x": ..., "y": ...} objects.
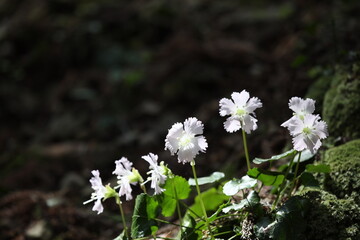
[
  {"x": 167, "y": 200},
  {"x": 290, "y": 222},
  {"x": 152, "y": 207},
  {"x": 122, "y": 236},
  {"x": 234, "y": 186},
  {"x": 188, "y": 231},
  {"x": 262, "y": 227},
  {"x": 251, "y": 200},
  {"x": 319, "y": 168},
  {"x": 214, "y": 216},
  {"x": 142, "y": 224},
  {"x": 305, "y": 156},
  {"x": 216, "y": 176},
  {"x": 178, "y": 184},
  {"x": 276, "y": 157},
  {"x": 168, "y": 206},
  {"x": 268, "y": 178},
  {"x": 308, "y": 180},
  {"x": 212, "y": 199}
]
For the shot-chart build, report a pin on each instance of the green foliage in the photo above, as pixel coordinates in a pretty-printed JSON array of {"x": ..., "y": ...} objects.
[
  {"x": 251, "y": 200},
  {"x": 122, "y": 236},
  {"x": 188, "y": 229},
  {"x": 268, "y": 178},
  {"x": 212, "y": 199},
  {"x": 234, "y": 186},
  {"x": 305, "y": 156},
  {"x": 289, "y": 222},
  {"x": 176, "y": 188},
  {"x": 276, "y": 157},
  {"x": 214, "y": 177},
  {"x": 143, "y": 223},
  {"x": 308, "y": 180}
]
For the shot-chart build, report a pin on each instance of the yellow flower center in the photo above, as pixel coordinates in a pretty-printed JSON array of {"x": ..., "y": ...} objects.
[
  {"x": 185, "y": 140},
  {"x": 240, "y": 112},
  {"x": 307, "y": 130}
]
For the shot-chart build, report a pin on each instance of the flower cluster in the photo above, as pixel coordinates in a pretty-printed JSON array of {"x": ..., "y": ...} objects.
[
  {"x": 187, "y": 141},
  {"x": 127, "y": 175},
  {"x": 306, "y": 128}
]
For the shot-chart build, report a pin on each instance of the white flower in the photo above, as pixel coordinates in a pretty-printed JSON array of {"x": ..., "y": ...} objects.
[
  {"x": 99, "y": 192},
  {"x": 126, "y": 175},
  {"x": 186, "y": 140},
  {"x": 308, "y": 132},
  {"x": 300, "y": 107},
  {"x": 158, "y": 176},
  {"x": 241, "y": 110}
]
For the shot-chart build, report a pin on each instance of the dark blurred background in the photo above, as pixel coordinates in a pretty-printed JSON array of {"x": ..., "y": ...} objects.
[{"x": 83, "y": 83}]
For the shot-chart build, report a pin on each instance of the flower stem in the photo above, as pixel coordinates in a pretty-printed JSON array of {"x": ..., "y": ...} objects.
[
  {"x": 178, "y": 208},
  {"x": 246, "y": 149},
  {"x": 143, "y": 188},
  {"x": 123, "y": 217},
  {"x": 192, "y": 163},
  {"x": 295, "y": 174},
  {"x": 281, "y": 188}
]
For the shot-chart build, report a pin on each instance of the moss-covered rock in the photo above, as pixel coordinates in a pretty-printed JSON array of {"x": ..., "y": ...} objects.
[
  {"x": 341, "y": 105},
  {"x": 331, "y": 218},
  {"x": 344, "y": 178},
  {"x": 317, "y": 90}
]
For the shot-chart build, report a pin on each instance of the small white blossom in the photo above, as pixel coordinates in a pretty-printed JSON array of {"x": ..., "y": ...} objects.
[
  {"x": 186, "y": 140},
  {"x": 241, "y": 110},
  {"x": 99, "y": 192},
  {"x": 157, "y": 172},
  {"x": 126, "y": 176},
  {"x": 301, "y": 107},
  {"x": 308, "y": 132}
]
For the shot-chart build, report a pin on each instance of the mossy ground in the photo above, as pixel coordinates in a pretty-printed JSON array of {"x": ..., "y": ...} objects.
[
  {"x": 341, "y": 104},
  {"x": 331, "y": 218},
  {"x": 344, "y": 178}
]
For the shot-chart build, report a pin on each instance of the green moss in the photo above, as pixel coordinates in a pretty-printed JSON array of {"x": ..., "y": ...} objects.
[
  {"x": 344, "y": 178},
  {"x": 329, "y": 217},
  {"x": 318, "y": 89},
  {"x": 341, "y": 105}
]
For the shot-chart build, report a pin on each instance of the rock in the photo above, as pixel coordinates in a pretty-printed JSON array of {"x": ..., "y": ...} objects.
[
  {"x": 344, "y": 178},
  {"x": 329, "y": 217},
  {"x": 318, "y": 89},
  {"x": 341, "y": 104}
]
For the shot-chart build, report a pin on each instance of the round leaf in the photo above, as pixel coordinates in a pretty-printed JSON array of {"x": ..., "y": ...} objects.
[
  {"x": 234, "y": 186},
  {"x": 216, "y": 176}
]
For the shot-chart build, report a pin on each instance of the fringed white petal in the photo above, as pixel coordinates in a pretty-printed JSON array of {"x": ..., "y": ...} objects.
[
  {"x": 193, "y": 126},
  {"x": 249, "y": 124},
  {"x": 232, "y": 124},
  {"x": 98, "y": 207},
  {"x": 201, "y": 142},
  {"x": 240, "y": 99},
  {"x": 172, "y": 138},
  {"x": 295, "y": 104},
  {"x": 253, "y": 104},
  {"x": 227, "y": 107}
]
